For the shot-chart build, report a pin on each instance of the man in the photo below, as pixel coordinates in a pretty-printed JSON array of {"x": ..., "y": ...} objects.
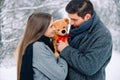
[{"x": 89, "y": 48}]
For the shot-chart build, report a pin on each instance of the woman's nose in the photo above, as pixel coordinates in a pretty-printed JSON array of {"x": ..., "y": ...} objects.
[{"x": 53, "y": 28}]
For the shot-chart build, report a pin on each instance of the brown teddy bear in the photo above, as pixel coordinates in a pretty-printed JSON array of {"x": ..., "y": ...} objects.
[{"x": 61, "y": 29}]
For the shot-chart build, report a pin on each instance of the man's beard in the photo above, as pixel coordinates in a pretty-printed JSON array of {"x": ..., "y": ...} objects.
[{"x": 75, "y": 26}]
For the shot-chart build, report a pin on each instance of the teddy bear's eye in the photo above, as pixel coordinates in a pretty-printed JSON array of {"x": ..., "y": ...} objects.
[{"x": 63, "y": 26}]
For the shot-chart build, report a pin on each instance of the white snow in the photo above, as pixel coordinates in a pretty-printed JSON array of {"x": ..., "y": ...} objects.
[
  {"x": 8, "y": 73},
  {"x": 112, "y": 70}
]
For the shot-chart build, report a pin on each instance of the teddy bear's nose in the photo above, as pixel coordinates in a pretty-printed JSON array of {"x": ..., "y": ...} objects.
[{"x": 63, "y": 31}]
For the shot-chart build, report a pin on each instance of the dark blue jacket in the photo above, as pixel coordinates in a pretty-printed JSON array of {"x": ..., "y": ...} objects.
[{"x": 88, "y": 61}]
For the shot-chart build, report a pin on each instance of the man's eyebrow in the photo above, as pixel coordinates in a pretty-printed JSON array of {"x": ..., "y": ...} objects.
[{"x": 73, "y": 19}]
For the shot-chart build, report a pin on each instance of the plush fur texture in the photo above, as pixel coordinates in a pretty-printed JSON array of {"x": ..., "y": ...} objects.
[{"x": 61, "y": 29}]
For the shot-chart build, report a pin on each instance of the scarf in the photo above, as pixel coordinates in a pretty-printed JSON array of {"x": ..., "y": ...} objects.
[
  {"x": 77, "y": 34},
  {"x": 26, "y": 66}
]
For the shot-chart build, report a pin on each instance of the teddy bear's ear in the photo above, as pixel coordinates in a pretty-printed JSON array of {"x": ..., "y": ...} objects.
[{"x": 66, "y": 20}]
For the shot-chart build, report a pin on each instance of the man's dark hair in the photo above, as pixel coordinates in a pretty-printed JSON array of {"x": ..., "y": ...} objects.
[{"x": 81, "y": 7}]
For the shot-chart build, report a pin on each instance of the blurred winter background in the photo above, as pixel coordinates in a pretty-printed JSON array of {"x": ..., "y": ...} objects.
[{"x": 13, "y": 16}]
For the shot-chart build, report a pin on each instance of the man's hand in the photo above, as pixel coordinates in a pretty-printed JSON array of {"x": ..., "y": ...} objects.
[{"x": 61, "y": 45}]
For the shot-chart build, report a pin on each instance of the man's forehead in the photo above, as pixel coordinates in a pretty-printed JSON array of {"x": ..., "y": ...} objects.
[{"x": 73, "y": 16}]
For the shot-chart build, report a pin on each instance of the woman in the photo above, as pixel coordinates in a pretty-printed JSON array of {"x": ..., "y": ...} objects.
[{"x": 36, "y": 60}]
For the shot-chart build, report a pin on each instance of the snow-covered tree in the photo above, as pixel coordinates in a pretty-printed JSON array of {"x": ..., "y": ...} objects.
[
  {"x": 14, "y": 14},
  {"x": 13, "y": 17}
]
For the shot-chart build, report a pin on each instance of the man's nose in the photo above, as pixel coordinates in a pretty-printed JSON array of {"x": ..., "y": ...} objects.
[{"x": 71, "y": 22}]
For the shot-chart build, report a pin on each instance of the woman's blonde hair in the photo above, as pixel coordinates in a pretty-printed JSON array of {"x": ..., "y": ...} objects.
[{"x": 36, "y": 26}]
